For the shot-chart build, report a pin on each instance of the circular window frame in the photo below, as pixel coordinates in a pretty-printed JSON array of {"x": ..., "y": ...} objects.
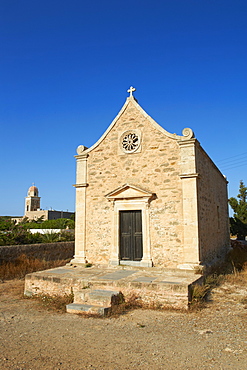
[{"x": 135, "y": 143}]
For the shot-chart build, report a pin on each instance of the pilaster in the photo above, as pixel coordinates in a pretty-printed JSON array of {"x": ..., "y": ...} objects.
[
  {"x": 189, "y": 178},
  {"x": 80, "y": 221}
]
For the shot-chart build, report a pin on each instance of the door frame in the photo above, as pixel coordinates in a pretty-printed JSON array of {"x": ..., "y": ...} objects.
[
  {"x": 130, "y": 198},
  {"x": 134, "y": 251},
  {"x": 131, "y": 205}
]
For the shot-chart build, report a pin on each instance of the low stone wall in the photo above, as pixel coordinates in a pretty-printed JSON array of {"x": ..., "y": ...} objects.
[{"x": 45, "y": 251}]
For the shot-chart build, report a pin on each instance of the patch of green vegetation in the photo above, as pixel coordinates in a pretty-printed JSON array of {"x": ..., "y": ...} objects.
[
  {"x": 60, "y": 223},
  {"x": 19, "y": 234}
]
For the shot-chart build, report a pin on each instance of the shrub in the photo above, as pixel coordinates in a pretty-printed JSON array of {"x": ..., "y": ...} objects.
[
  {"x": 60, "y": 223},
  {"x": 50, "y": 237},
  {"x": 19, "y": 235},
  {"x": 237, "y": 256},
  {"x": 67, "y": 236}
]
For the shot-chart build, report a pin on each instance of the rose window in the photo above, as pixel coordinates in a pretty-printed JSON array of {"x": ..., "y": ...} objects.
[{"x": 130, "y": 142}]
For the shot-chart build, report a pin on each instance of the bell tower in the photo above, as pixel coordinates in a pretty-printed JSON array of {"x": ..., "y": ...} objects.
[{"x": 32, "y": 201}]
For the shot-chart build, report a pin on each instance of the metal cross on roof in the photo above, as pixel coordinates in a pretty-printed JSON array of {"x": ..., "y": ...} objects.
[{"x": 131, "y": 90}]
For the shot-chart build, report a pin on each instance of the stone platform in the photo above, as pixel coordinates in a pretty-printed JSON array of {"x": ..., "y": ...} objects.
[{"x": 155, "y": 287}]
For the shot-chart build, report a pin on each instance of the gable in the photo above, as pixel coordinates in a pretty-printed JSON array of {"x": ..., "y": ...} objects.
[{"x": 129, "y": 111}]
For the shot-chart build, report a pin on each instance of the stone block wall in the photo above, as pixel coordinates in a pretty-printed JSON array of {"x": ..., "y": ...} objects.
[
  {"x": 213, "y": 209},
  {"x": 46, "y": 251}
]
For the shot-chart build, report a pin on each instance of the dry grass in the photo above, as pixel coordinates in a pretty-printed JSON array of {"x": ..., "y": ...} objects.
[
  {"x": 55, "y": 303},
  {"x": 200, "y": 293},
  {"x": 199, "y": 297},
  {"x": 13, "y": 288},
  {"x": 125, "y": 305},
  {"x": 133, "y": 302},
  {"x": 231, "y": 275},
  {"x": 229, "y": 287},
  {"x": 238, "y": 277},
  {"x": 234, "y": 288},
  {"x": 24, "y": 265}
]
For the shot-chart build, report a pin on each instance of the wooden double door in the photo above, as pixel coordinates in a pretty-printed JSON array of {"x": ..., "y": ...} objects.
[{"x": 131, "y": 245}]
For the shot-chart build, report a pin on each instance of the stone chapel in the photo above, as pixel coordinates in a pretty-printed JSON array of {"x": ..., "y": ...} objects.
[{"x": 146, "y": 197}]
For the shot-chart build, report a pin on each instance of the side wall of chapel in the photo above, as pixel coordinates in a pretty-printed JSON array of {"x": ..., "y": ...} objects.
[{"x": 212, "y": 209}]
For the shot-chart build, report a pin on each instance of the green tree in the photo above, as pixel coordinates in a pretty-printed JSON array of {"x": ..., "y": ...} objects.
[{"x": 238, "y": 223}]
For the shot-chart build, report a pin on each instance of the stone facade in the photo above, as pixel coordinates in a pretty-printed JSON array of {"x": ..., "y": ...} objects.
[{"x": 138, "y": 166}]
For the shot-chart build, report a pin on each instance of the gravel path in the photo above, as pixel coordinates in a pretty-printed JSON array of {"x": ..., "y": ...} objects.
[{"x": 213, "y": 338}]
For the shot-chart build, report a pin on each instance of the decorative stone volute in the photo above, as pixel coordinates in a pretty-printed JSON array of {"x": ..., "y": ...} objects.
[
  {"x": 80, "y": 149},
  {"x": 188, "y": 133}
]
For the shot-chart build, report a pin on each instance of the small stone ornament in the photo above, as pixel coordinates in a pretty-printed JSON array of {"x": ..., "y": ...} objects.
[
  {"x": 80, "y": 149},
  {"x": 188, "y": 133}
]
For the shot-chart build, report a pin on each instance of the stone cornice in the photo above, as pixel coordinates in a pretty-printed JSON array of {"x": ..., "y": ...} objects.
[
  {"x": 81, "y": 156},
  {"x": 188, "y": 142},
  {"x": 80, "y": 185},
  {"x": 189, "y": 175}
]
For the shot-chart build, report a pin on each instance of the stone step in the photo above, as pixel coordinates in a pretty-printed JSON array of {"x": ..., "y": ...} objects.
[
  {"x": 77, "y": 308},
  {"x": 98, "y": 297},
  {"x": 152, "y": 287},
  {"x": 81, "y": 296}
]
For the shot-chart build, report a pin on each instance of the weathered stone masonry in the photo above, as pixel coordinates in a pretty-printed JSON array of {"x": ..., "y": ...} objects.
[
  {"x": 137, "y": 165},
  {"x": 44, "y": 251}
]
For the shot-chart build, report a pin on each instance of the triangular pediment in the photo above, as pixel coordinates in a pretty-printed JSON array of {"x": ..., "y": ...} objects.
[
  {"x": 128, "y": 191},
  {"x": 133, "y": 104}
]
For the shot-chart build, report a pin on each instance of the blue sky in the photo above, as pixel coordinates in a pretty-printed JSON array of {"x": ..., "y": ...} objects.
[{"x": 65, "y": 67}]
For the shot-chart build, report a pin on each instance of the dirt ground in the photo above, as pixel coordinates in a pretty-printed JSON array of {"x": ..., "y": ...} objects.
[{"x": 34, "y": 338}]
